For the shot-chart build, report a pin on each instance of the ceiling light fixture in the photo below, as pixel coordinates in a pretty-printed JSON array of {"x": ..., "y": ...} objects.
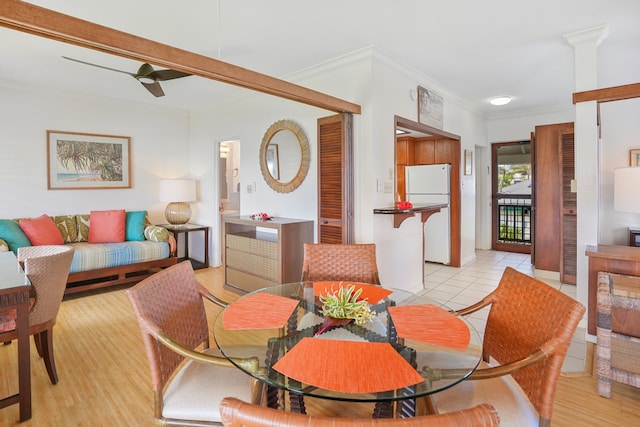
[{"x": 500, "y": 100}]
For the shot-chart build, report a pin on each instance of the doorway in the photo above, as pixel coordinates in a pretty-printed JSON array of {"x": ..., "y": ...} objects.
[
  {"x": 228, "y": 183},
  {"x": 229, "y": 176},
  {"x": 511, "y": 196}
]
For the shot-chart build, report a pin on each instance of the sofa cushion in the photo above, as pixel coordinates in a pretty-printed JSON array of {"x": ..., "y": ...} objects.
[
  {"x": 94, "y": 256},
  {"x": 107, "y": 226},
  {"x": 41, "y": 231},
  {"x": 67, "y": 226},
  {"x": 134, "y": 229},
  {"x": 11, "y": 233},
  {"x": 4, "y": 247},
  {"x": 82, "y": 220}
]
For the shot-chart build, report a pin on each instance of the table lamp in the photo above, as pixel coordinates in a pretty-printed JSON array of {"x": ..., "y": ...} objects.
[
  {"x": 626, "y": 197},
  {"x": 177, "y": 193}
]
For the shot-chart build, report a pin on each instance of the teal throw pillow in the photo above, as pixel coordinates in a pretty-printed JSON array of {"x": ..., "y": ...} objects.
[
  {"x": 134, "y": 228},
  {"x": 11, "y": 233}
]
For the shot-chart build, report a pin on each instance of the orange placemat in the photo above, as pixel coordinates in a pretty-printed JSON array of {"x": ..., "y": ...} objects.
[
  {"x": 430, "y": 324},
  {"x": 373, "y": 294},
  {"x": 258, "y": 311},
  {"x": 347, "y": 366}
]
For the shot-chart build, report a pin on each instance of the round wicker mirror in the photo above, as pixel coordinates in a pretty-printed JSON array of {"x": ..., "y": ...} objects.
[{"x": 284, "y": 156}]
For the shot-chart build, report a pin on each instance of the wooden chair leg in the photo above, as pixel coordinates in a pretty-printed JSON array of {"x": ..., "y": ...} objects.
[
  {"x": 37, "y": 340},
  {"x": 46, "y": 338}
]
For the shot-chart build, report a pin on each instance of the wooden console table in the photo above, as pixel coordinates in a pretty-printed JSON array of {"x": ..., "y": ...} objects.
[
  {"x": 14, "y": 293},
  {"x": 611, "y": 259}
]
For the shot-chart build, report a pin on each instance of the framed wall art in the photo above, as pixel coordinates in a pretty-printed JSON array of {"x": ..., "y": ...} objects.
[
  {"x": 634, "y": 157},
  {"x": 429, "y": 108},
  {"x": 79, "y": 161}
]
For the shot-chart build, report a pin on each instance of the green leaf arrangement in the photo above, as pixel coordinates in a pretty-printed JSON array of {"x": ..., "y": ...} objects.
[{"x": 345, "y": 303}]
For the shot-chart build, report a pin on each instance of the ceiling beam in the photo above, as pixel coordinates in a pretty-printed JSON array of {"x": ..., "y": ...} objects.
[
  {"x": 615, "y": 93},
  {"x": 28, "y": 18}
]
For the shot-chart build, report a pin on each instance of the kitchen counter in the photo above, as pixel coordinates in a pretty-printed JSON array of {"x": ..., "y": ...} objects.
[{"x": 399, "y": 215}]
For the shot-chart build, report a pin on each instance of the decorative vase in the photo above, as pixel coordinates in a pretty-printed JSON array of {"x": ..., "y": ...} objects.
[{"x": 332, "y": 322}]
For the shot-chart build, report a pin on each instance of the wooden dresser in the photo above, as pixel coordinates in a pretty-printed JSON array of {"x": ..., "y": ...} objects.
[
  {"x": 264, "y": 253},
  {"x": 612, "y": 259}
]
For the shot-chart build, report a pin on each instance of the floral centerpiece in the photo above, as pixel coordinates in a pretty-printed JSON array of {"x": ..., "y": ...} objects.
[{"x": 343, "y": 306}]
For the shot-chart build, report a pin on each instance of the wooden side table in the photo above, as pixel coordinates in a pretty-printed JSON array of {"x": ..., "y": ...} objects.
[
  {"x": 610, "y": 259},
  {"x": 14, "y": 293},
  {"x": 186, "y": 229}
]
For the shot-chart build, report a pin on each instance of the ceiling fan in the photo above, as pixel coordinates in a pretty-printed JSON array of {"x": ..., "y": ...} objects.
[{"x": 147, "y": 75}]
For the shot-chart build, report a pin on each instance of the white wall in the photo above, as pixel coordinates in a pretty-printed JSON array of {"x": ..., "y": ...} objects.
[
  {"x": 159, "y": 149},
  {"x": 620, "y": 129},
  {"x": 400, "y": 250}
]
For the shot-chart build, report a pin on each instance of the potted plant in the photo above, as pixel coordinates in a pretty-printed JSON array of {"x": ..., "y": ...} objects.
[{"x": 343, "y": 306}]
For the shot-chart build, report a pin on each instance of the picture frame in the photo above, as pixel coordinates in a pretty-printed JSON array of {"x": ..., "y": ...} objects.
[
  {"x": 273, "y": 161},
  {"x": 87, "y": 161},
  {"x": 429, "y": 108},
  {"x": 468, "y": 162},
  {"x": 634, "y": 157}
]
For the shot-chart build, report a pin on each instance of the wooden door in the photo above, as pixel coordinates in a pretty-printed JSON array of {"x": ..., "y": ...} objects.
[
  {"x": 335, "y": 179},
  {"x": 568, "y": 268},
  {"x": 548, "y": 196}
]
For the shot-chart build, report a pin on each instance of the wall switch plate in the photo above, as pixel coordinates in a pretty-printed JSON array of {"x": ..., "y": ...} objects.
[{"x": 387, "y": 187}]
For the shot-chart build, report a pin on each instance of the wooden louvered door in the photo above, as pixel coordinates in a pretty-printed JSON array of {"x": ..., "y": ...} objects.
[
  {"x": 335, "y": 179},
  {"x": 568, "y": 269}
]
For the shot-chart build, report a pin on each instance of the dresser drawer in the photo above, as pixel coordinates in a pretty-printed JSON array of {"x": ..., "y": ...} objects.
[
  {"x": 249, "y": 245},
  {"x": 247, "y": 282},
  {"x": 253, "y": 264}
]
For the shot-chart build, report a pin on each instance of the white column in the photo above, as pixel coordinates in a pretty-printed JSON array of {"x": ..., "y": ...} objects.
[{"x": 585, "y": 45}]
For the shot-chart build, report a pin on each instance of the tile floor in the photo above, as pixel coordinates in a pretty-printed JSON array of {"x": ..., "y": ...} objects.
[{"x": 461, "y": 287}]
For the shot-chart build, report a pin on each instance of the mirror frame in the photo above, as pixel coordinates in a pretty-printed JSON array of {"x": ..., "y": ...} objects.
[{"x": 305, "y": 156}]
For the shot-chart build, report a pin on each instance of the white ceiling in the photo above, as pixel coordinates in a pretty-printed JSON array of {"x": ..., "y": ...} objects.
[{"x": 476, "y": 49}]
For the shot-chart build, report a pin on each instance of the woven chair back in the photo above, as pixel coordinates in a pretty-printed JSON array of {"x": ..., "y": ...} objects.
[
  {"x": 169, "y": 301},
  {"x": 47, "y": 268},
  {"x": 336, "y": 262},
  {"x": 236, "y": 413},
  {"x": 526, "y": 315}
]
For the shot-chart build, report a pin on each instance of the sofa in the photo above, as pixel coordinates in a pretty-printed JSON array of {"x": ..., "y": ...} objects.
[{"x": 112, "y": 247}]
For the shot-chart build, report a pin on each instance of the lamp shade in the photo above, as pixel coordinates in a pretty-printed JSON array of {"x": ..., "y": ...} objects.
[
  {"x": 626, "y": 189},
  {"x": 177, "y": 190},
  {"x": 177, "y": 193}
]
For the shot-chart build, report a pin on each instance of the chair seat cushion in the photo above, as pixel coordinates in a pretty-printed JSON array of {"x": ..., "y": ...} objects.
[
  {"x": 196, "y": 391},
  {"x": 503, "y": 393}
]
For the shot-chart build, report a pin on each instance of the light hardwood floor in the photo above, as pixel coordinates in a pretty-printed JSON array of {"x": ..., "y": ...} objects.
[{"x": 104, "y": 376}]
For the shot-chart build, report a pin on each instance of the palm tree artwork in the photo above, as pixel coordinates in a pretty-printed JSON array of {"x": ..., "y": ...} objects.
[{"x": 95, "y": 161}]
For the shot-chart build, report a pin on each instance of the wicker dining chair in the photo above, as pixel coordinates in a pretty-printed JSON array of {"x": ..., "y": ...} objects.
[
  {"x": 47, "y": 268},
  {"x": 169, "y": 306},
  {"x": 336, "y": 262},
  {"x": 528, "y": 332},
  {"x": 236, "y": 413}
]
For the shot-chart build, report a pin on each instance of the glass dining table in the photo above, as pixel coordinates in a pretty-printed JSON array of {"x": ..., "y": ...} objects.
[{"x": 411, "y": 347}]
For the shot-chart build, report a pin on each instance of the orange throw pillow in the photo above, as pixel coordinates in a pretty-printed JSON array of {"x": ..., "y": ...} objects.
[
  {"x": 41, "y": 231},
  {"x": 107, "y": 226}
]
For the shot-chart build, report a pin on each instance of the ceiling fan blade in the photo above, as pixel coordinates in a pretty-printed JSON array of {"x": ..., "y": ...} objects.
[
  {"x": 162, "y": 75},
  {"x": 99, "y": 66},
  {"x": 154, "y": 88}
]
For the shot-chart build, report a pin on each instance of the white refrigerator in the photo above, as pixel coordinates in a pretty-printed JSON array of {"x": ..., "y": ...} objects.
[{"x": 431, "y": 184}]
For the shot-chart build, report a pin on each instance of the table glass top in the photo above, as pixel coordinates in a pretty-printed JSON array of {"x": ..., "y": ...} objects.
[
  {"x": 11, "y": 274},
  {"x": 412, "y": 347}
]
